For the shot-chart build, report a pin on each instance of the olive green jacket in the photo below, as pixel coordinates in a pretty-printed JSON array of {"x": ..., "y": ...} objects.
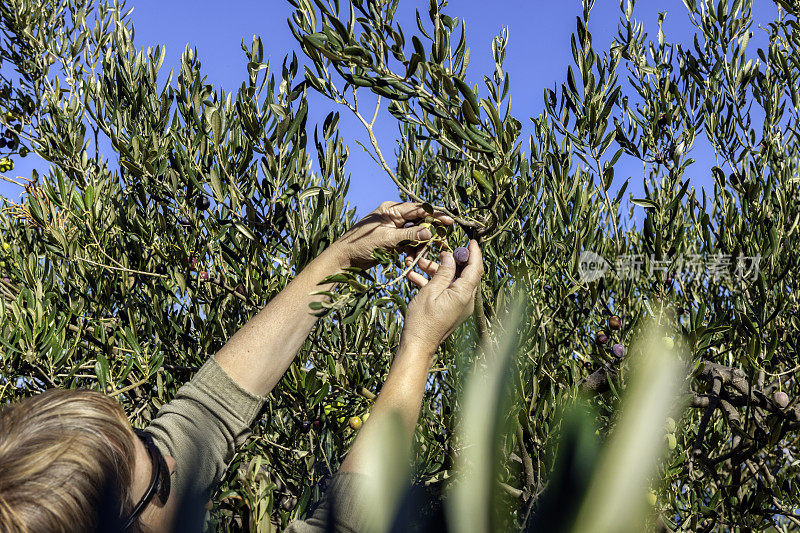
[{"x": 201, "y": 428}]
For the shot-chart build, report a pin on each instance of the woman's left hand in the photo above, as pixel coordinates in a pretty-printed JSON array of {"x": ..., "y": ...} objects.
[{"x": 383, "y": 228}]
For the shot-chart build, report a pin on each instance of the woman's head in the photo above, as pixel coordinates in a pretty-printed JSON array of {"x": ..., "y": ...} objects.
[{"x": 70, "y": 462}]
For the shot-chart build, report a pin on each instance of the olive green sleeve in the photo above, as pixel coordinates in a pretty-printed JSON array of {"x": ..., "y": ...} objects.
[
  {"x": 202, "y": 426},
  {"x": 349, "y": 516}
]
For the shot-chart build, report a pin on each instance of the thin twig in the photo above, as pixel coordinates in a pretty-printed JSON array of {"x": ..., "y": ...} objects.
[
  {"x": 407, "y": 269},
  {"x": 375, "y": 115},
  {"x": 15, "y": 182},
  {"x": 134, "y": 385},
  {"x": 374, "y": 141},
  {"x": 121, "y": 269}
]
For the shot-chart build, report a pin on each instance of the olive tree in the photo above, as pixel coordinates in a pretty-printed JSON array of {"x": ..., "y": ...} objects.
[
  {"x": 717, "y": 266},
  {"x": 171, "y": 211}
]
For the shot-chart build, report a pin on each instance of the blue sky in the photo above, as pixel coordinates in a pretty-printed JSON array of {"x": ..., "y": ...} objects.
[{"x": 538, "y": 55}]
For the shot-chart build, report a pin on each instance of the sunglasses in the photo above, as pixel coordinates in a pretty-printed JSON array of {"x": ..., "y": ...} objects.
[{"x": 160, "y": 483}]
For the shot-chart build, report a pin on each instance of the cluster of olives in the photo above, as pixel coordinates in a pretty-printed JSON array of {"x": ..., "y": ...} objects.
[
  {"x": 17, "y": 110},
  {"x": 614, "y": 324},
  {"x": 6, "y": 247},
  {"x": 334, "y": 411},
  {"x": 10, "y": 137}
]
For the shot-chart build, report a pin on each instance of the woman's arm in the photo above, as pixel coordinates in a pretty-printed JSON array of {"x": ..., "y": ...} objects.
[
  {"x": 213, "y": 413},
  {"x": 259, "y": 353},
  {"x": 441, "y": 305}
]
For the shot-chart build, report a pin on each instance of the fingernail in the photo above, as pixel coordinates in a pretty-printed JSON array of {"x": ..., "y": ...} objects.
[
  {"x": 447, "y": 259},
  {"x": 424, "y": 234}
]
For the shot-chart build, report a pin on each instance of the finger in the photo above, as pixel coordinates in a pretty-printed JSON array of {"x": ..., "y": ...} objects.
[
  {"x": 417, "y": 279},
  {"x": 444, "y": 274},
  {"x": 473, "y": 271},
  {"x": 426, "y": 265},
  {"x": 405, "y": 212},
  {"x": 386, "y": 207},
  {"x": 421, "y": 213},
  {"x": 415, "y": 233}
]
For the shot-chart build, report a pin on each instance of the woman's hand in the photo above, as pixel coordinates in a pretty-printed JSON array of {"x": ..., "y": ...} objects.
[
  {"x": 383, "y": 228},
  {"x": 442, "y": 302},
  {"x": 440, "y": 306}
]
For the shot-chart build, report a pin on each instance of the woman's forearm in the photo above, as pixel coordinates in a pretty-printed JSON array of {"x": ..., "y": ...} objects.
[
  {"x": 259, "y": 353},
  {"x": 402, "y": 394}
]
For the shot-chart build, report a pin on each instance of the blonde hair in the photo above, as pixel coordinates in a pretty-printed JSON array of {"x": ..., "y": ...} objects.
[{"x": 66, "y": 463}]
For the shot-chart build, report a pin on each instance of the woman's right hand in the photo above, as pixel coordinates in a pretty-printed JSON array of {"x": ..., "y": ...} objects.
[{"x": 442, "y": 302}]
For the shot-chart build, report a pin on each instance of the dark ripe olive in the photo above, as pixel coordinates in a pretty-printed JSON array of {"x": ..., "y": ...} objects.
[
  {"x": 203, "y": 203},
  {"x": 461, "y": 255},
  {"x": 618, "y": 351},
  {"x": 781, "y": 399}
]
